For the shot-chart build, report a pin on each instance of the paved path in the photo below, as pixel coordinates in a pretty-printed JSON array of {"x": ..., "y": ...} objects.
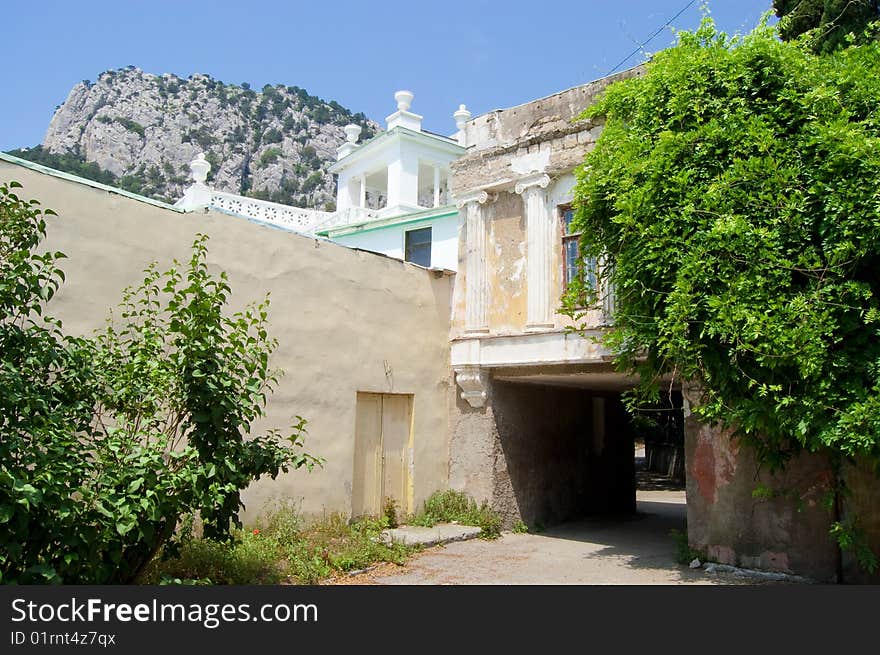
[{"x": 636, "y": 550}]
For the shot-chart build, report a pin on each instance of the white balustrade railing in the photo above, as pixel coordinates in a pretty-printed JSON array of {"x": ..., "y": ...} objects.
[
  {"x": 295, "y": 218},
  {"x": 347, "y": 216}
]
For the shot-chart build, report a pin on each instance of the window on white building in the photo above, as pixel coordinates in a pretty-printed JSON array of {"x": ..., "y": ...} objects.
[{"x": 418, "y": 246}]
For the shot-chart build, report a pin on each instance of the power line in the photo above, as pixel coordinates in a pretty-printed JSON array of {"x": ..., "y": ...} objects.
[{"x": 651, "y": 38}]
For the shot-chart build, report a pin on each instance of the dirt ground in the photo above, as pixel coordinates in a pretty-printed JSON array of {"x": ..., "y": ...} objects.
[{"x": 633, "y": 550}]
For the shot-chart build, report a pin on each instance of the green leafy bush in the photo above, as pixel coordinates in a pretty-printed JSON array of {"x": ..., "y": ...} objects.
[
  {"x": 131, "y": 126},
  {"x": 732, "y": 196},
  {"x": 108, "y": 441}
]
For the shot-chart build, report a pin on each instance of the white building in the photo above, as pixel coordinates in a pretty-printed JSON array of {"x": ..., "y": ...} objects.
[{"x": 392, "y": 193}]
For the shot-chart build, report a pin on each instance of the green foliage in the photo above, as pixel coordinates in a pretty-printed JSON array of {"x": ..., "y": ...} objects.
[
  {"x": 283, "y": 548},
  {"x": 68, "y": 162},
  {"x": 130, "y": 125},
  {"x": 389, "y": 512},
  {"x": 825, "y": 24},
  {"x": 457, "y": 507},
  {"x": 108, "y": 441},
  {"x": 684, "y": 554},
  {"x": 733, "y": 194},
  {"x": 272, "y": 136},
  {"x": 520, "y": 528},
  {"x": 269, "y": 156},
  {"x": 202, "y": 136},
  {"x": 850, "y": 536}
]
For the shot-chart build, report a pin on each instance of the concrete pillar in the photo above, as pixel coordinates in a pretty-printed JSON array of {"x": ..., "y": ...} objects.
[
  {"x": 476, "y": 278},
  {"x": 436, "y": 186},
  {"x": 540, "y": 240},
  {"x": 363, "y": 198}
]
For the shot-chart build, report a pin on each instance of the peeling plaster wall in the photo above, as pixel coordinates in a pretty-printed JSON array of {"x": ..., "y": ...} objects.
[
  {"x": 541, "y": 134},
  {"x": 503, "y": 147},
  {"x": 786, "y": 532},
  {"x": 346, "y": 321},
  {"x": 506, "y": 261}
]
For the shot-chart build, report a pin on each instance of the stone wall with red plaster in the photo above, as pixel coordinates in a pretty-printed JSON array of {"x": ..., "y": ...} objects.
[{"x": 787, "y": 532}]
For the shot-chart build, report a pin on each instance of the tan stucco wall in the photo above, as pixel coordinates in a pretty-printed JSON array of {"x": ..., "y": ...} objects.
[{"x": 346, "y": 321}]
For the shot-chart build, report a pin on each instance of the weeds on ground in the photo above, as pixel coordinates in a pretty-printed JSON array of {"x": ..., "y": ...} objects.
[
  {"x": 520, "y": 528},
  {"x": 389, "y": 512},
  {"x": 456, "y": 506},
  {"x": 283, "y": 548},
  {"x": 684, "y": 554}
]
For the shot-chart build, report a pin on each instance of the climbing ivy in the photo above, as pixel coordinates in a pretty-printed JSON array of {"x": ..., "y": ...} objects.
[{"x": 733, "y": 196}]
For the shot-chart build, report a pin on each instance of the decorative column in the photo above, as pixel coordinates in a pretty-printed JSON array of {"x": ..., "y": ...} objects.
[
  {"x": 540, "y": 233},
  {"x": 476, "y": 319},
  {"x": 436, "y": 186},
  {"x": 362, "y": 201}
]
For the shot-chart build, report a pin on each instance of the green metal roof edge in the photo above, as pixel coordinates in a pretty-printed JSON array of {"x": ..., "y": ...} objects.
[
  {"x": 12, "y": 159},
  {"x": 404, "y": 131},
  {"x": 403, "y": 219}
]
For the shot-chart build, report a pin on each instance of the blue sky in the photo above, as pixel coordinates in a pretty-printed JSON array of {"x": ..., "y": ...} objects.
[{"x": 488, "y": 55}]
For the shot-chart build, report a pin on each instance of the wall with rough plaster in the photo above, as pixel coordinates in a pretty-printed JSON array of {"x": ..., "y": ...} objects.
[
  {"x": 785, "y": 527},
  {"x": 346, "y": 321}
]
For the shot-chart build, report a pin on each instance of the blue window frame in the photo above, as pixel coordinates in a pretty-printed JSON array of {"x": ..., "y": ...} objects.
[{"x": 417, "y": 247}]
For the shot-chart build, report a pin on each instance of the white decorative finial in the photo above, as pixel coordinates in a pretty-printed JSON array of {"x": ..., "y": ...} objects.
[
  {"x": 352, "y": 132},
  {"x": 199, "y": 168},
  {"x": 461, "y": 117},
  {"x": 404, "y": 99}
]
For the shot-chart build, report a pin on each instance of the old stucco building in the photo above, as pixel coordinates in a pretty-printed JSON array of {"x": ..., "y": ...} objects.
[
  {"x": 538, "y": 428},
  {"x": 415, "y": 379}
]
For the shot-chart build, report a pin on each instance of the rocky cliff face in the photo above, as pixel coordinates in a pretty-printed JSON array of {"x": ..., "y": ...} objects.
[{"x": 145, "y": 129}]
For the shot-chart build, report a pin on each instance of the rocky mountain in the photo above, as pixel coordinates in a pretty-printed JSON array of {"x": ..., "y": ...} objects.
[{"x": 140, "y": 131}]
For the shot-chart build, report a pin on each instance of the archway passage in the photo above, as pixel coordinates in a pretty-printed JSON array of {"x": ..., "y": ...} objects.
[{"x": 567, "y": 449}]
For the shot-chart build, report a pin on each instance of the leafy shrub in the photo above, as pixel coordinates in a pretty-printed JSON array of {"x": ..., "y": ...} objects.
[
  {"x": 108, "y": 441},
  {"x": 272, "y": 136},
  {"x": 684, "y": 554},
  {"x": 520, "y": 528}
]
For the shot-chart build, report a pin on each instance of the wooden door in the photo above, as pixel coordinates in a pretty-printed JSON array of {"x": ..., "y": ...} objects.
[{"x": 381, "y": 452}]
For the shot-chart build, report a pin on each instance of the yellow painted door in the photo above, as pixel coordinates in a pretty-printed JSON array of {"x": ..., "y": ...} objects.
[
  {"x": 366, "y": 491},
  {"x": 396, "y": 428},
  {"x": 381, "y": 453}
]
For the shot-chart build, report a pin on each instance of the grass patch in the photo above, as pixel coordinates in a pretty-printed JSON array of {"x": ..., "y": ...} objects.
[
  {"x": 457, "y": 507},
  {"x": 684, "y": 554},
  {"x": 283, "y": 548}
]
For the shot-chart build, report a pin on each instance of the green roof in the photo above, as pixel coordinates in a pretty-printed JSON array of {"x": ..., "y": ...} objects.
[{"x": 380, "y": 223}]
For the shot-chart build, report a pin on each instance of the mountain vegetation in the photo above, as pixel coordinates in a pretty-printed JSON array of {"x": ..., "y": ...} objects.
[{"x": 139, "y": 131}]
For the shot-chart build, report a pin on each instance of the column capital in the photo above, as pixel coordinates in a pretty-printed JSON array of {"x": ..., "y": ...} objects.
[
  {"x": 541, "y": 180},
  {"x": 479, "y": 196}
]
